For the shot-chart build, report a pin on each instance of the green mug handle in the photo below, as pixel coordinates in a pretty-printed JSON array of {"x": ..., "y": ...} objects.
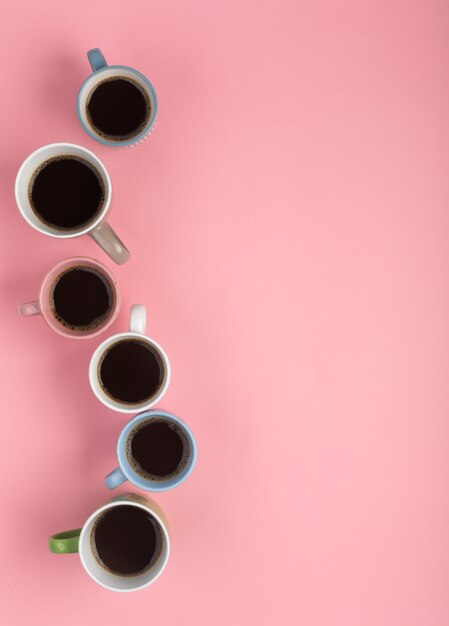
[{"x": 65, "y": 543}]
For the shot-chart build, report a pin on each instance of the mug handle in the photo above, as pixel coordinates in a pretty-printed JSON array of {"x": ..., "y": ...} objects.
[
  {"x": 138, "y": 319},
  {"x": 96, "y": 59},
  {"x": 29, "y": 308},
  {"x": 115, "y": 478},
  {"x": 65, "y": 543},
  {"x": 109, "y": 241}
]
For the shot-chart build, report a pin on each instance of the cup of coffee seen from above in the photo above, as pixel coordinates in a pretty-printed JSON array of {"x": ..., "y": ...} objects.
[
  {"x": 63, "y": 190},
  {"x": 116, "y": 105},
  {"x": 123, "y": 546},
  {"x": 156, "y": 451},
  {"x": 130, "y": 372},
  {"x": 78, "y": 298}
]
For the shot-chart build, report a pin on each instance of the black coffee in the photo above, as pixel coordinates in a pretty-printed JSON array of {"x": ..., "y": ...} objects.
[
  {"x": 131, "y": 371},
  {"x": 157, "y": 449},
  {"x": 81, "y": 298},
  {"x": 118, "y": 108},
  {"x": 66, "y": 192},
  {"x": 126, "y": 540}
]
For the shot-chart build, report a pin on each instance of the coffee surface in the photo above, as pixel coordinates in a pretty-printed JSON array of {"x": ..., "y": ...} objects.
[
  {"x": 118, "y": 108},
  {"x": 81, "y": 298},
  {"x": 125, "y": 541},
  {"x": 130, "y": 371},
  {"x": 66, "y": 192},
  {"x": 157, "y": 449}
]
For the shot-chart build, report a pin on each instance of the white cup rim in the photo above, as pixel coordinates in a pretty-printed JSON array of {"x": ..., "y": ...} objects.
[
  {"x": 94, "y": 515},
  {"x": 96, "y": 387},
  {"x": 103, "y": 171}
]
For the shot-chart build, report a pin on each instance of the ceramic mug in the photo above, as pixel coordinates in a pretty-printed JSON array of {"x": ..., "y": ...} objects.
[
  {"x": 98, "y": 229},
  {"x": 80, "y": 540},
  {"x": 101, "y": 72},
  {"x": 137, "y": 330},
  {"x": 43, "y": 305},
  {"x": 126, "y": 470}
]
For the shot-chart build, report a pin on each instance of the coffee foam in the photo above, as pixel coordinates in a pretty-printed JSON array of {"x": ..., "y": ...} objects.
[
  {"x": 152, "y": 563},
  {"x": 138, "y": 469},
  {"x": 136, "y": 132},
  {"x": 61, "y": 157},
  {"x": 99, "y": 321}
]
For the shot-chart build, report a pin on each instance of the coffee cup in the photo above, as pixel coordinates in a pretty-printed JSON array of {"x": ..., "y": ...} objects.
[
  {"x": 124, "y": 545},
  {"x": 117, "y": 105},
  {"x": 156, "y": 451},
  {"x": 78, "y": 298},
  {"x": 129, "y": 371},
  {"x": 64, "y": 191}
]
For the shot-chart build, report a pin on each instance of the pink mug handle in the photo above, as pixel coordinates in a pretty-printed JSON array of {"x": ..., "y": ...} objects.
[{"x": 29, "y": 308}]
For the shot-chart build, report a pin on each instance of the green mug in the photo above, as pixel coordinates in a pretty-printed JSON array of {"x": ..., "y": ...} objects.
[{"x": 147, "y": 544}]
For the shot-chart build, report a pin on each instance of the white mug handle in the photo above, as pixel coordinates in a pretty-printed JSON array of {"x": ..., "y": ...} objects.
[{"x": 138, "y": 319}]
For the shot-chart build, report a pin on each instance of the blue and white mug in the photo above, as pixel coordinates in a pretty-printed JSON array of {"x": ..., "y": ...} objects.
[
  {"x": 102, "y": 72},
  {"x": 129, "y": 467}
]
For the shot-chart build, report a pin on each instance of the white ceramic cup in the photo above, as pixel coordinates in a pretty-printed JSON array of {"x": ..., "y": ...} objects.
[
  {"x": 79, "y": 540},
  {"x": 98, "y": 229},
  {"x": 137, "y": 330}
]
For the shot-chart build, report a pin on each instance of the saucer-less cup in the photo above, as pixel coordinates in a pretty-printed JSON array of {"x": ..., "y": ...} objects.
[
  {"x": 102, "y": 71},
  {"x": 79, "y": 540},
  {"x": 137, "y": 330},
  {"x": 43, "y": 306},
  {"x": 98, "y": 229},
  {"x": 125, "y": 471}
]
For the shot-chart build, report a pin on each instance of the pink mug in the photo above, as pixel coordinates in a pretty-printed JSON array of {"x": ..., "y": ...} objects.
[{"x": 46, "y": 304}]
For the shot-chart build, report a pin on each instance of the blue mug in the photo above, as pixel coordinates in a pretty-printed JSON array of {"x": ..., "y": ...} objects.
[
  {"x": 146, "y": 464},
  {"x": 116, "y": 105}
]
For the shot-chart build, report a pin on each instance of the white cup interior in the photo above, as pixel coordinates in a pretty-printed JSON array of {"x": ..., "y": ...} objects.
[
  {"x": 108, "y": 400},
  {"x": 26, "y": 172},
  {"x": 115, "y": 581},
  {"x": 100, "y": 76}
]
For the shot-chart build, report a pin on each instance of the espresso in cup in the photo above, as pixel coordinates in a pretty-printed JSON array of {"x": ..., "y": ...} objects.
[
  {"x": 66, "y": 192},
  {"x": 125, "y": 540},
  {"x": 63, "y": 190},
  {"x": 124, "y": 545},
  {"x": 131, "y": 371},
  {"x": 82, "y": 298},
  {"x": 78, "y": 298},
  {"x": 118, "y": 108},
  {"x": 157, "y": 449},
  {"x": 117, "y": 105}
]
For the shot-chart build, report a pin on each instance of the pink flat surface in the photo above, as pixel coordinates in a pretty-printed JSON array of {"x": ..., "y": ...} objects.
[{"x": 289, "y": 227}]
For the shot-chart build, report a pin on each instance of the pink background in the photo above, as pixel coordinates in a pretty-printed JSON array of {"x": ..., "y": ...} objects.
[{"x": 289, "y": 227}]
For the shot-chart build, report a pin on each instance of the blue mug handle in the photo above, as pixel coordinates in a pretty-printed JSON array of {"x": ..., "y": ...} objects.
[
  {"x": 115, "y": 478},
  {"x": 96, "y": 59}
]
